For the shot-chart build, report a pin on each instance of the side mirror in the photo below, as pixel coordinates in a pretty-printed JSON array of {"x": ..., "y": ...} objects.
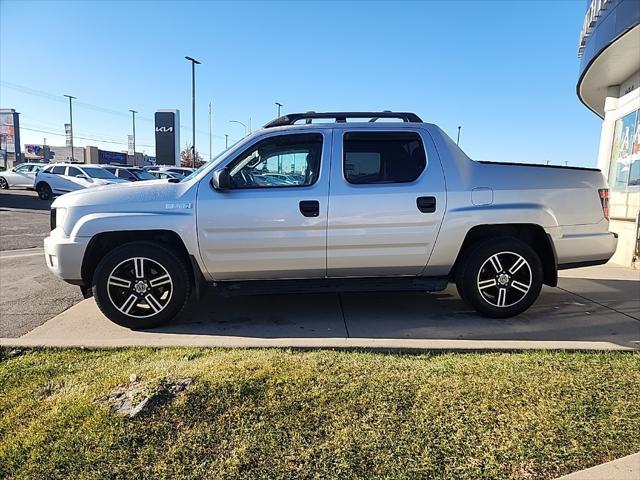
[{"x": 221, "y": 179}]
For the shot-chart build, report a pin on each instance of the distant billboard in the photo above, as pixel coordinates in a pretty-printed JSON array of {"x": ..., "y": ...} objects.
[
  {"x": 9, "y": 131},
  {"x": 105, "y": 156},
  {"x": 68, "y": 134},
  {"x": 167, "y": 137}
]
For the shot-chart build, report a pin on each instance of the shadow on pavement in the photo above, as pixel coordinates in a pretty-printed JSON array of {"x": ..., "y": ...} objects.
[
  {"x": 558, "y": 315},
  {"x": 27, "y": 201}
]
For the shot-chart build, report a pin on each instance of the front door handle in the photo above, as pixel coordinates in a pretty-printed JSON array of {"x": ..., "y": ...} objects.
[
  {"x": 426, "y": 204},
  {"x": 310, "y": 208}
]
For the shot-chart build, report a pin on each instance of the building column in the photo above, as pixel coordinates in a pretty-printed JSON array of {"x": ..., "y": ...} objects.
[{"x": 608, "y": 126}]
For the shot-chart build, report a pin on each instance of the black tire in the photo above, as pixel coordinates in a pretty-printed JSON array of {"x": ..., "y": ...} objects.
[
  {"x": 4, "y": 184},
  {"x": 497, "y": 288},
  {"x": 114, "y": 299},
  {"x": 44, "y": 191}
]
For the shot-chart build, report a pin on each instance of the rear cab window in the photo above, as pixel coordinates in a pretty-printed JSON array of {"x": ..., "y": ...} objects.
[{"x": 383, "y": 157}]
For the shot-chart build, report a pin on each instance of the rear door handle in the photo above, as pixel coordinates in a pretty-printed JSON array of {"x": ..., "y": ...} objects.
[
  {"x": 310, "y": 208},
  {"x": 426, "y": 204}
]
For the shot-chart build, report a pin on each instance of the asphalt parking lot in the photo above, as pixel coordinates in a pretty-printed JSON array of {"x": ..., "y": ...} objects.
[{"x": 29, "y": 294}]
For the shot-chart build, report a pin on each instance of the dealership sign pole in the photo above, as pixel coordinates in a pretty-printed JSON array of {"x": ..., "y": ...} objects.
[{"x": 70, "y": 132}]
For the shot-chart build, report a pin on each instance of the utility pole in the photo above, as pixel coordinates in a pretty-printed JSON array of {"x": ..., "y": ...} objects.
[
  {"x": 226, "y": 141},
  {"x": 71, "y": 122},
  {"x": 133, "y": 112},
  {"x": 278, "y": 104},
  {"x": 194, "y": 62},
  {"x": 458, "y": 140},
  {"x": 210, "y": 156}
]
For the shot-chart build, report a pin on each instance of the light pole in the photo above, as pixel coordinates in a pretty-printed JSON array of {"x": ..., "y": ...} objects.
[
  {"x": 278, "y": 104},
  {"x": 244, "y": 125},
  {"x": 210, "y": 157},
  {"x": 458, "y": 139},
  {"x": 71, "y": 122},
  {"x": 133, "y": 112},
  {"x": 226, "y": 141},
  {"x": 194, "y": 62}
]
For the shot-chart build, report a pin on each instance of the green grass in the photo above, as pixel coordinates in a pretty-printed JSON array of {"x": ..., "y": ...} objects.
[{"x": 323, "y": 414}]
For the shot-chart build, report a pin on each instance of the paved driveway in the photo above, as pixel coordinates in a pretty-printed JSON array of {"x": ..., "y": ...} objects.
[{"x": 596, "y": 308}]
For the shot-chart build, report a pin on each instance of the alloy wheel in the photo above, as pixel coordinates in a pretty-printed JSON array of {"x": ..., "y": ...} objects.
[
  {"x": 140, "y": 287},
  {"x": 504, "y": 279}
]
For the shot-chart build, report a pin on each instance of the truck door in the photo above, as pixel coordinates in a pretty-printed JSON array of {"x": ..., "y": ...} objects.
[
  {"x": 387, "y": 201},
  {"x": 272, "y": 222}
]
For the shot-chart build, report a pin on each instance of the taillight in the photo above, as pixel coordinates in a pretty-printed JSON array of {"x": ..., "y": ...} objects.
[{"x": 604, "y": 201}]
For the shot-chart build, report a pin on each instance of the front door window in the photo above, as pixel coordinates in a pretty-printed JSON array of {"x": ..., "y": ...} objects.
[{"x": 283, "y": 161}]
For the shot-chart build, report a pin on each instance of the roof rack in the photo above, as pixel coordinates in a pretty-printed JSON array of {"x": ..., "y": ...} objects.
[{"x": 341, "y": 117}]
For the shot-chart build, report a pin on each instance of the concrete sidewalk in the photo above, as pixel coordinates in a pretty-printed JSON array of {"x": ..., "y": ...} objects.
[
  {"x": 592, "y": 309},
  {"x": 626, "y": 468}
]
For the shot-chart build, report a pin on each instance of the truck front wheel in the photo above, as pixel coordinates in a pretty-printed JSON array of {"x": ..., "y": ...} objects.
[
  {"x": 500, "y": 277},
  {"x": 141, "y": 285}
]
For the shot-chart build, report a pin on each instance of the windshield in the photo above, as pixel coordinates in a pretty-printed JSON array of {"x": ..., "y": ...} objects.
[
  {"x": 208, "y": 162},
  {"x": 142, "y": 175},
  {"x": 98, "y": 172}
]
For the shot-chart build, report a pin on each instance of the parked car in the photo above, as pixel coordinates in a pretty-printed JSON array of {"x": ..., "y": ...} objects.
[
  {"x": 184, "y": 171},
  {"x": 377, "y": 206},
  {"x": 129, "y": 173},
  {"x": 164, "y": 175},
  {"x": 59, "y": 178},
  {"x": 20, "y": 176}
]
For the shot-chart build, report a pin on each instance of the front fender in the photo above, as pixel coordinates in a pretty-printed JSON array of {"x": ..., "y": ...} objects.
[{"x": 179, "y": 222}]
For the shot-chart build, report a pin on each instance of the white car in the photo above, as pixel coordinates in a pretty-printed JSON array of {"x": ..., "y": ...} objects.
[
  {"x": 184, "y": 171},
  {"x": 22, "y": 175},
  {"x": 59, "y": 178},
  {"x": 164, "y": 175}
]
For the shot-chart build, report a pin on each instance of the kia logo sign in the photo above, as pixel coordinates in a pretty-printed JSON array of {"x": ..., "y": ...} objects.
[{"x": 167, "y": 137}]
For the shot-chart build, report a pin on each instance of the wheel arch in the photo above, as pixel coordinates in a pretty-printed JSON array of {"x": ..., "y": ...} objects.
[
  {"x": 102, "y": 243},
  {"x": 532, "y": 234}
]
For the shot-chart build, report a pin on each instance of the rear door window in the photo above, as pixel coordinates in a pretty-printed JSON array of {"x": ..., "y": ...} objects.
[
  {"x": 122, "y": 173},
  {"x": 383, "y": 157},
  {"x": 58, "y": 170},
  {"x": 73, "y": 172}
]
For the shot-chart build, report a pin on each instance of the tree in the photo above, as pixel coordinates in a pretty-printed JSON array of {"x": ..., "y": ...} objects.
[{"x": 186, "y": 159}]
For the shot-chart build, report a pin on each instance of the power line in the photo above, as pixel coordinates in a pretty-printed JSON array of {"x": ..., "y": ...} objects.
[
  {"x": 81, "y": 137},
  {"x": 89, "y": 106}
]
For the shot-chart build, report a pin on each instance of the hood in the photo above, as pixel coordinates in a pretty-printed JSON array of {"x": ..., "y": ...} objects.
[{"x": 127, "y": 196}]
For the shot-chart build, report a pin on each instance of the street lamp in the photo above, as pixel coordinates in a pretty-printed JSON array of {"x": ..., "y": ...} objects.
[
  {"x": 194, "y": 62},
  {"x": 133, "y": 112},
  {"x": 226, "y": 141},
  {"x": 458, "y": 139},
  {"x": 278, "y": 104},
  {"x": 243, "y": 124},
  {"x": 71, "y": 122}
]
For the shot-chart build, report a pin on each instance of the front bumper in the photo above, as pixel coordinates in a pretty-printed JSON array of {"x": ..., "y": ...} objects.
[{"x": 64, "y": 255}]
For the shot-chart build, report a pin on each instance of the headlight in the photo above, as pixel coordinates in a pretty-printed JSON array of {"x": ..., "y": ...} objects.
[{"x": 61, "y": 214}]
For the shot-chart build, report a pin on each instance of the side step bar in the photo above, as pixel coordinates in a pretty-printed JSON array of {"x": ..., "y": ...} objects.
[{"x": 332, "y": 285}]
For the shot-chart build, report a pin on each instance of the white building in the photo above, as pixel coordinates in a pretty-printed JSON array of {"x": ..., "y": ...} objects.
[{"x": 609, "y": 85}]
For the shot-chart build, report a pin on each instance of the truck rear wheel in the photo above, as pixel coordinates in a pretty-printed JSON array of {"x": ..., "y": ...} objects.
[
  {"x": 141, "y": 285},
  {"x": 500, "y": 277}
]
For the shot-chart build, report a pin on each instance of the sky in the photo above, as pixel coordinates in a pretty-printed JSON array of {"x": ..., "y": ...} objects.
[{"x": 505, "y": 71}]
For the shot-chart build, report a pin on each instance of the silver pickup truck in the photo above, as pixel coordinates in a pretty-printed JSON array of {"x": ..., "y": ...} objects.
[{"x": 319, "y": 202}]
